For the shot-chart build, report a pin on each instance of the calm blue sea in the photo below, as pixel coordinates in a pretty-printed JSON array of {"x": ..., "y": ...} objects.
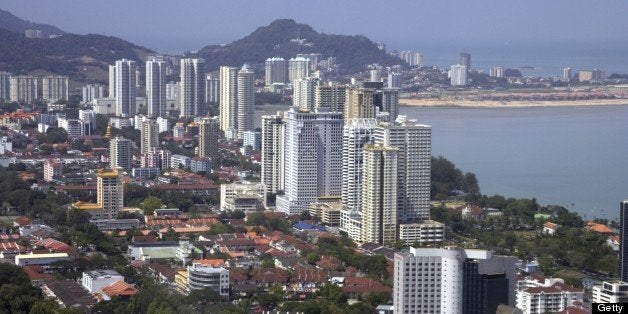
[{"x": 574, "y": 156}]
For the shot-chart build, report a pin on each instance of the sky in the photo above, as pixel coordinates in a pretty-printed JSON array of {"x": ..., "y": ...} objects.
[{"x": 173, "y": 26}]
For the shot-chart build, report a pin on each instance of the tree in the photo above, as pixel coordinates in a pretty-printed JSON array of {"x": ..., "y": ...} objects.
[
  {"x": 150, "y": 204},
  {"x": 312, "y": 258}
]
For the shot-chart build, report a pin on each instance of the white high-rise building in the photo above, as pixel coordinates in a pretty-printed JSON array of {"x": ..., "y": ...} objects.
[
  {"x": 273, "y": 131},
  {"x": 229, "y": 100},
  {"x": 298, "y": 68},
  {"x": 379, "y": 195},
  {"x": 452, "y": 280},
  {"x": 212, "y": 89},
  {"x": 497, "y": 71},
  {"x": 376, "y": 75},
  {"x": 458, "y": 75},
  {"x": 276, "y": 71},
  {"x": 5, "y": 85},
  {"x": 303, "y": 92},
  {"x": 356, "y": 134},
  {"x": 112, "y": 81},
  {"x": 156, "y": 88},
  {"x": 416, "y": 59},
  {"x": 54, "y": 88},
  {"x": 110, "y": 192},
  {"x": 313, "y": 159},
  {"x": 314, "y": 58},
  {"x": 246, "y": 100},
  {"x": 149, "y": 131},
  {"x": 120, "y": 153},
  {"x": 192, "y": 88},
  {"x": 125, "y": 90},
  {"x": 164, "y": 124},
  {"x": 172, "y": 90},
  {"x": 394, "y": 80},
  {"x": 414, "y": 165},
  {"x": 330, "y": 96},
  {"x": 93, "y": 91},
  {"x": 24, "y": 88},
  {"x": 88, "y": 120}
]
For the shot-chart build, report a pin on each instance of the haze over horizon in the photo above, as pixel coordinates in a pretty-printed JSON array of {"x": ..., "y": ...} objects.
[{"x": 171, "y": 28}]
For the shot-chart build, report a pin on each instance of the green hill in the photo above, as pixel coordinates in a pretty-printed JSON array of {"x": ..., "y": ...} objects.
[
  {"x": 276, "y": 39},
  {"x": 70, "y": 54},
  {"x": 13, "y": 23}
]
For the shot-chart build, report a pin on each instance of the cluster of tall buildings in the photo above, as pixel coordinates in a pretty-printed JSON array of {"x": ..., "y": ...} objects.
[
  {"x": 412, "y": 58},
  {"x": 26, "y": 88},
  {"x": 237, "y": 100}
]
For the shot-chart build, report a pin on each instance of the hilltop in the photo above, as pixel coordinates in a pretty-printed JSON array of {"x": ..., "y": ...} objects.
[
  {"x": 279, "y": 38},
  {"x": 84, "y": 58},
  {"x": 15, "y": 24}
]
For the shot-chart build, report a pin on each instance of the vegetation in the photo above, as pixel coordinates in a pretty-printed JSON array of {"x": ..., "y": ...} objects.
[
  {"x": 13, "y": 23},
  {"x": 446, "y": 178},
  {"x": 275, "y": 40}
]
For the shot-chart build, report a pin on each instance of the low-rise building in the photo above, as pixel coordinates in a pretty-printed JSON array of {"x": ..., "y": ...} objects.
[
  {"x": 249, "y": 195},
  {"x": 327, "y": 213},
  {"x": 94, "y": 281},
  {"x": 543, "y": 295},
  {"x": 198, "y": 276},
  {"x": 425, "y": 232},
  {"x": 40, "y": 259},
  {"x": 610, "y": 292}
]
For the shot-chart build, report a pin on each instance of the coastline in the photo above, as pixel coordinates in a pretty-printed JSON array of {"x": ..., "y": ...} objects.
[{"x": 508, "y": 104}]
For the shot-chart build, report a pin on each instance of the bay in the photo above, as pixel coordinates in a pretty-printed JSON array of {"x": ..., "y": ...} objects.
[{"x": 570, "y": 156}]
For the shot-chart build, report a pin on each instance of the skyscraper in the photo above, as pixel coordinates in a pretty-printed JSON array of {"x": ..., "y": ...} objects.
[
  {"x": 567, "y": 74},
  {"x": 246, "y": 100},
  {"x": 120, "y": 153},
  {"x": 390, "y": 102},
  {"x": 192, "y": 88},
  {"x": 359, "y": 103},
  {"x": 273, "y": 131},
  {"x": 465, "y": 60},
  {"x": 112, "y": 81},
  {"x": 125, "y": 87},
  {"x": 208, "y": 134},
  {"x": 458, "y": 75},
  {"x": 149, "y": 133},
  {"x": 298, "y": 68},
  {"x": 229, "y": 101},
  {"x": 5, "y": 85},
  {"x": 110, "y": 192},
  {"x": 414, "y": 165},
  {"x": 212, "y": 89},
  {"x": 276, "y": 71},
  {"x": 313, "y": 159},
  {"x": 394, "y": 80},
  {"x": 376, "y": 75},
  {"x": 379, "y": 195},
  {"x": 623, "y": 241},
  {"x": 93, "y": 91},
  {"x": 156, "y": 88},
  {"x": 330, "y": 96},
  {"x": 452, "y": 280},
  {"x": 303, "y": 92},
  {"x": 356, "y": 134},
  {"x": 24, "y": 88},
  {"x": 54, "y": 88}
]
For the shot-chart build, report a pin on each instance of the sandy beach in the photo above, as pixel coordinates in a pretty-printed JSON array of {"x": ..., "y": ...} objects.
[{"x": 509, "y": 104}]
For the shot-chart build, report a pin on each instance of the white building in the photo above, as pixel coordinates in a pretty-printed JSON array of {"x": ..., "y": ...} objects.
[
  {"x": 246, "y": 100},
  {"x": 93, "y": 91},
  {"x": 24, "y": 88},
  {"x": 212, "y": 89},
  {"x": 313, "y": 159},
  {"x": 394, "y": 80},
  {"x": 172, "y": 90},
  {"x": 610, "y": 292},
  {"x": 250, "y": 196},
  {"x": 112, "y": 81},
  {"x": 458, "y": 75},
  {"x": 54, "y": 88},
  {"x": 156, "y": 159},
  {"x": 497, "y": 71},
  {"x": 156, "y": 88},
  {"x": 276, "y": 71},
  {"x": 273, "y": 131},
  {"x": 125, "y": 87},
  {"x": 452, "y": 280},
  {"x": 52, "y": 169},
  {"x": 192, "y": 88},
  {"x": 549, "y": 295},
  {"x": 94, "y": 280},
  {"x": 73, "y": 127},
  {"x": 253, "y": 139},
  {"x": 414, "y": 166},
  {"x": 303, "y": 92},
  {"x": 177, "y": 161},
  {"x": 164, "y": 124},
  {"x": 424, "y": 232},
  {"x": 331, "y": 96},
  {"x": 298, "y": 68},
  {"x": 40, "y": 259},
  {"x": 149, "y": 135},
  {"x": 390, "y": 103},
  {"x": 356, "y": 134},
  {"x": 120, "y": 153},
  {"x": 200, "y": 276},
  {"x": 229, "y": 100},
  {"x": 6, "y": 145}
]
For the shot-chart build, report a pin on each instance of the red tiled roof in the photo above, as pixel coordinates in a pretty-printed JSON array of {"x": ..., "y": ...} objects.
[
  {"x": 550, "y": 225},
  {"x": 599, "y": 228},
  {"x": 215, "y": 262},
  {"x": 35, "y": 272},
  {"x": 119, "y": 288},
  {"x": 363, "y": 285},
  {"x": 22, "y": 221}
]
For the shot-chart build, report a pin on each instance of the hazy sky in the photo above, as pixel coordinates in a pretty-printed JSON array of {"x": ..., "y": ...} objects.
[{"x": 172, "y": 26}]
